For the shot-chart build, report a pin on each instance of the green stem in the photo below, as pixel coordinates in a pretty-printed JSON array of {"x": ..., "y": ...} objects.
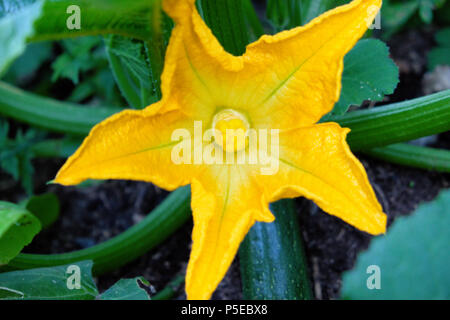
[
  {"x": 397, "y": 122},
  {"x": 414, "y": 156},
  {"x": 48, "y": 113},
  {"x": 273, "y": 264},
  {"x": 171, "y": 214},
  {"x": 170, "y": 290}
]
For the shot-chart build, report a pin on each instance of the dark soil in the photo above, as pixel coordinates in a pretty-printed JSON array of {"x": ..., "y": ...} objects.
[{"x": 94, "y": 214}]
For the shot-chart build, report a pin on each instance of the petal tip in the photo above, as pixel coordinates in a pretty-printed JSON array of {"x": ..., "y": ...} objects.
[{"x": 379, "y": 225}]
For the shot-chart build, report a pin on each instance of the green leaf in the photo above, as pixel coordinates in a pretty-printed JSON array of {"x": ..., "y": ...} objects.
[
  {"x": 29, "y": 62},
  {"x": 365, "y": 80},
  {"x": 15, "y": 28},
  {"x": 77, "y": 58},
  {"x": 413, "y": 258},
  {"x": 50, "y": 283},
  {"x": 129, "y": 63},
  {"x": 17, "y": 229},
  {"x": 440, "y": 55},
  {"x": 16, "y": 155},
  {"x": 426, "y": 8},
  {"x": 137, "y": 65},
  {"x": 396, "y": 15},
  {"x": 127, "y": 289},
  {"x": 45, "y": 207},
  {"x": 25, "y": 20}
]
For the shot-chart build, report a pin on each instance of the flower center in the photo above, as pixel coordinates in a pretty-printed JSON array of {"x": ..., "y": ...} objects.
[{"x": 231, "y": 130}]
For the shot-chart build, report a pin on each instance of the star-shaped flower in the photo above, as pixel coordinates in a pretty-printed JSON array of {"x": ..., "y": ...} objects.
[{"x": 285, "y": 82}]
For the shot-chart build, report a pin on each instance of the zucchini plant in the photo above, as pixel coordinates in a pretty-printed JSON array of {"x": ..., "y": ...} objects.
[{"x": 235, "y": 110}]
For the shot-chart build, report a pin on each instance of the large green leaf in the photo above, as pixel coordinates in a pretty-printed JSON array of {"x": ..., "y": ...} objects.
[
  {"x": 78, "y": 56},
  {"x": 127, "y": 289},
  {"x": 363, "y": 79},
  {"x": 52, "y": 283},
  {"x": 413, "y": 258},
  {"x": 25, "y": 20},
  {"x": 15, "y": 28},
  {"x": 17, "y": 229}
]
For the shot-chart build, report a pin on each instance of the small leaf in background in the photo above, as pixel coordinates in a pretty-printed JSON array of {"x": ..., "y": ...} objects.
[
  {"x": 77, "y": 57},
  {"x": 369, "y": 74},
  {"x": 412, "y": 258},
  {"x": 29, "y": 62},
  {"x": 129, "y": 62},
  {"x": 394, "y": 15},
  {"x": 69, "y": 282},
  {"x": 426, "y": 8},
  {"x": 128, "y": 289},
  {"x": 45, "y": 207},
  {"x": 16, "y": 155},
  {"x": 440, "y": 55},
  {"x": 16, "y": 25},
  {"x": 17, "y": 229}
]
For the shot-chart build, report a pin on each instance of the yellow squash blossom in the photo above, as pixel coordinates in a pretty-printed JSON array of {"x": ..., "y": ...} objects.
[{"x": 287, "y": 82}]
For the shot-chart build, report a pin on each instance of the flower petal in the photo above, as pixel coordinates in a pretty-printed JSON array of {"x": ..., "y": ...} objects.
[
  {"x": 225, "y": 204},
  {"x": 317, "y": 163},
  {"x": 198, "y": 71},
  {"x": 133, "y": 145},
  {"x": 302, "y": 67}
]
